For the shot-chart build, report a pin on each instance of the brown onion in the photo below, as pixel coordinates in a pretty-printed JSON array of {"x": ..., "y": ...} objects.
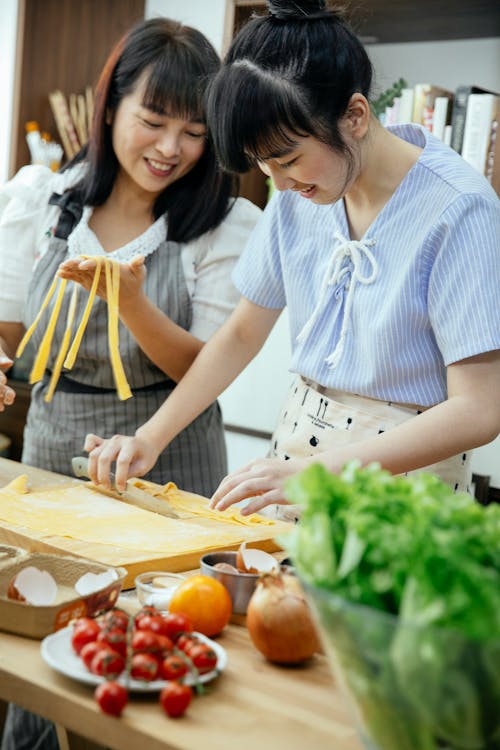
[{"x": 279, "y": 620}]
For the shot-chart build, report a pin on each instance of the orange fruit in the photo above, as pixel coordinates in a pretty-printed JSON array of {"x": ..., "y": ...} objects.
[{"x": 205, "y": 601}]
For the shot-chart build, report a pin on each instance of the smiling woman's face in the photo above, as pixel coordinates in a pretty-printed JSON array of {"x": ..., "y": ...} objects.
[
  {"x": 311, "y": 168},
  {"x": 153, "y": 150}
]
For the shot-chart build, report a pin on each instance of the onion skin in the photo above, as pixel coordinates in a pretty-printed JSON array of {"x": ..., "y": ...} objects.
[{"x": 279, "y": 621}]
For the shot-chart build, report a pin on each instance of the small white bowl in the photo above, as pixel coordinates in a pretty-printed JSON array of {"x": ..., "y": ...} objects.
[{"x": 155, "y": 588}]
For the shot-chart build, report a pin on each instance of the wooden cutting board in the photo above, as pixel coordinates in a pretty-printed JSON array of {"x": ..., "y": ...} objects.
[{"x": 177, "y": 555}]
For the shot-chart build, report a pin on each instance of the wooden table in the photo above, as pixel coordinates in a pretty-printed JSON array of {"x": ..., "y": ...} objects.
[{"x": 252, "y": 705}]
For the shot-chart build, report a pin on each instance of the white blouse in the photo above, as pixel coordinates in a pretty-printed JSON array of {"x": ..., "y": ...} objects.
[{"x": 26, "y": 221}]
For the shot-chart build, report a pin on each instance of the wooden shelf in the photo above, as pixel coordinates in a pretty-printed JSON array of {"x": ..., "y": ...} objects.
[
  {"x": 61, "y": 44},
  {"x": 392, "y": 21}
]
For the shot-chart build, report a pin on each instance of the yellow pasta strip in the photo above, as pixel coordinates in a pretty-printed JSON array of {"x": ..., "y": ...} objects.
[
  {"x": 67, "y": 358},
  {"x": 195, "y": 505},
  {"x": 29, "y": 332},
  {"x": 64, "y": 346},
  {"x": 42, "y": 356},
  {"x": 70, "y": 359},
  {"x": 112, "y": 269}
]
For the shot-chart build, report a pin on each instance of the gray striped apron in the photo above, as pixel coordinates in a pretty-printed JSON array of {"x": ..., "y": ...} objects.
[{"x": 86, "y": 400}]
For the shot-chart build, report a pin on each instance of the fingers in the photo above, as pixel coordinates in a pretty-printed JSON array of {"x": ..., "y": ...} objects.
[
  {"x": 7, "y": 394},
  {"x": 262, "y": 480},
  {"x": 137, "y": 262},
  {"x": 5, "y": 361},
  {"x": 129, "y": 455}
]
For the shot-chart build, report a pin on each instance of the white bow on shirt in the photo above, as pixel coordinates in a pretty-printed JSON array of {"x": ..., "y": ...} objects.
[{"x": 354, "y": 249}]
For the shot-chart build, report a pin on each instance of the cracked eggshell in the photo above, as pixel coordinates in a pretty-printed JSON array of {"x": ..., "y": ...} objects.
[
  {"x": 33, "y": 586},
  {"x": 255, "y": 560},
  {"x": 88, "y": 583}
]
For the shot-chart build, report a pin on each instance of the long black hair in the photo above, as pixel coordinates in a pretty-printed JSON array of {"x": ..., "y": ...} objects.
[
  {"x": 179, "y": 61},
  {"x": 288, "y": 74}
]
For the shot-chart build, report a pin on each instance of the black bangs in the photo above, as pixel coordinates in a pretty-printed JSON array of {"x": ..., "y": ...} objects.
[
  {"x": 170, "y": 90},
  {"x": 254, "y": 116}
]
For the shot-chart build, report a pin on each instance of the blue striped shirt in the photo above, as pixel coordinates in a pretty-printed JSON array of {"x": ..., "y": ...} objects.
[{"x": 418, "y": 292}]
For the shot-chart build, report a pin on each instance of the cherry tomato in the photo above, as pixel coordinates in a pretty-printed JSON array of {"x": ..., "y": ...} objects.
[
  {"x": 186, "y": 641},
  {"x": 177, "y": 623},
  {"x": 173, "y": 667},
  {"x": 166, "y": 645},
  {"x": 147, "y": 609},
  {"x": 155, "y": 623},
  {"x": 115, "y": 618},
  {"x": 115, "y": 638},
  {"x": 144, "y": 667},
  {"x": 83, "y": 622},
  {"x": 89, "y": 651},
  {"x": 111, "y": 697},
  {"x": 85, "y": 630},
  {"x": 175, "y": 698},
  {"x": 145, "y": 640},
  {"x": 107, "y": 663},
  {"x": 203, "y": 657}
]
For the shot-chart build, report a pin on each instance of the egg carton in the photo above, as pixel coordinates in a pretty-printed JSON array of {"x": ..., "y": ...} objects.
[{"x": 37, "y": 621}]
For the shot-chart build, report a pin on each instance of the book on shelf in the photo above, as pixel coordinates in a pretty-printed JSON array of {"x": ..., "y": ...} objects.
[
  {"x": 441, "y": 116},
  {"x": 483, "y": 111},
  {"x": 459, "y": 111},
  {"x": 405, "y": 112},
  {"x": 424, "y": 97}
]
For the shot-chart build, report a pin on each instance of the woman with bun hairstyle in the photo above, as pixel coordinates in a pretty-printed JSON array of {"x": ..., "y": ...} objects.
[
  {"x": 148, "y": 192},
  {"x": 382, "y": 243}
]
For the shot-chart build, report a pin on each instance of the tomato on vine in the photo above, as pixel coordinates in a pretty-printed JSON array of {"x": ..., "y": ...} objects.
[
  {"x": 111, "y": 697},
  {"x": 175, "y": 698}
]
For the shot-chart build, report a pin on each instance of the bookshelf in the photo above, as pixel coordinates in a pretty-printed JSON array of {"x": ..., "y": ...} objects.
[
  {"x": 61, "y": 44},
  {"x": 388, "y": 21}
]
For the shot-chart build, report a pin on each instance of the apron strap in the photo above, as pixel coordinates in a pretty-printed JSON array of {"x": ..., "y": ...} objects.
[{"x": 71, "y": 207}]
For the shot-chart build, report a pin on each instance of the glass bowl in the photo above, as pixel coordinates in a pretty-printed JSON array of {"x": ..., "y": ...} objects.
[
  {"x": 155, "y": 588},
  {"x": 411, "y": 687}
]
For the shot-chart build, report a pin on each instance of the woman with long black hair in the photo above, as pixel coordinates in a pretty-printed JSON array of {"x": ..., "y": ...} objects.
[{"x": 147, "y": 191}]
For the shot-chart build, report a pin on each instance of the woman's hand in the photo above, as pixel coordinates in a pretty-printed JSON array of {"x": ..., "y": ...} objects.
[
  {"x": 133, "y": 456},
  {"x": 263, "y": 480},
  {"x": 132, "y": 275},
  {"x": 7, "y": 394}
]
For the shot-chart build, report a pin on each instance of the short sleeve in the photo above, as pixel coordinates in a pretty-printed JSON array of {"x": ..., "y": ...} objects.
[
  {"x": 465, "y": 279},
  {"x": 208, "y": 264},
  {"x": 258, "y": 274},
  {"x": 25, "y": 223}
]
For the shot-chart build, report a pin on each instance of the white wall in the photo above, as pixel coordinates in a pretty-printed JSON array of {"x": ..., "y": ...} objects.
[
  {"x": 8, "y": 32},
  {"x": 447, "y": 64},
  {"x": 205, "y": 15}
]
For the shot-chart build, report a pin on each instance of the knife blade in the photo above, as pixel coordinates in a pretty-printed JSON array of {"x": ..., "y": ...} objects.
[{"x": 132, "y": 495}]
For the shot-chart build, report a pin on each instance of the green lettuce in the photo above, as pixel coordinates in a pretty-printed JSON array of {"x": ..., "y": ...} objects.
[{"x": 405, "y": 578}]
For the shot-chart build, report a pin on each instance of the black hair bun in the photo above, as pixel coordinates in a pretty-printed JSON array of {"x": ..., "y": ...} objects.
[{"x": 288, "y": 10}]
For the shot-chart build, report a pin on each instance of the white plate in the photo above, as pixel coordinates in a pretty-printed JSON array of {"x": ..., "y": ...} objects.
[{"x": 57, "y": 652}]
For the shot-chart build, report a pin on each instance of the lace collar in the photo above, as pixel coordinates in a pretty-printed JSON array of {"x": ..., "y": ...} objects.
[{"x": 83, "y": 241}]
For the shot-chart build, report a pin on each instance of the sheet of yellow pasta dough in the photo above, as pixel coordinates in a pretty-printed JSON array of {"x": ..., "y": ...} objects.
[
  {"x": 77, "y": 512},
  {"x": 196, "y": 505}
]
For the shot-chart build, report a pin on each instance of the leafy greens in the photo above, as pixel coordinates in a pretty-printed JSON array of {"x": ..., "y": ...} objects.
[{"x": 405, "y": 577}]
